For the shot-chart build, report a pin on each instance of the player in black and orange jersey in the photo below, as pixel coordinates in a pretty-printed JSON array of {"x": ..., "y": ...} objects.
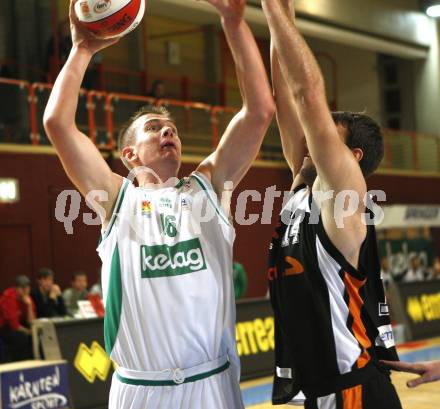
[{"x": 332, "y": 322}]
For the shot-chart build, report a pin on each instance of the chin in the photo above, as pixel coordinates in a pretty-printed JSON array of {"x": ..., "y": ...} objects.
[{"x": 309, "y": 174}]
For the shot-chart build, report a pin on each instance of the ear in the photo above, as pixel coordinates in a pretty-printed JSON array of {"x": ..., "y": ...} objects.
[
  {"x": 358, "y": 154},
  {"x": 129, "y": 153}
]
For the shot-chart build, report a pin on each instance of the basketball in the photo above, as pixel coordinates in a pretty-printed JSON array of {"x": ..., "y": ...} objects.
[{"x": 110, "y": 18}]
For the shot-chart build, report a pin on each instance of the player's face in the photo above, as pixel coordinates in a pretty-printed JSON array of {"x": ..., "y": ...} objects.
[
  {"x": 308, "y": 169},
  {"x": 157, "y": 140}
]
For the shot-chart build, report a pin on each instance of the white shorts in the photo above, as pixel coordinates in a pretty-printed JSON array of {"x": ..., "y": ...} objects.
[{"x": 220, "y": 391}]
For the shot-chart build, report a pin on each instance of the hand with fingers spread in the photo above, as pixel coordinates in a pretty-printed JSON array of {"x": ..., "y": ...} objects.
[
  {"x": 84, "y": 39},
  {"x": 428, "y": 371},
  {"x": 230, "y": 9}
]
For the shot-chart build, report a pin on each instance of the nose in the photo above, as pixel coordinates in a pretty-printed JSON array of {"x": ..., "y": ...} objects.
[{"x": 167, "y": 132}]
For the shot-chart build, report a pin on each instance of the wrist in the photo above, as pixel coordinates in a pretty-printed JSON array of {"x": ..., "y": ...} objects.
[
  {"x": 231, "y": 21},
  {"x": 81, "y": 51}
]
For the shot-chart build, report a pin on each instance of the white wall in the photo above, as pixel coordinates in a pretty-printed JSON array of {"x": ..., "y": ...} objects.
[
  {"x": 358, "y": 81},
  {"x": 427, "y": 87},
  {"x": 398, "y": 19}
]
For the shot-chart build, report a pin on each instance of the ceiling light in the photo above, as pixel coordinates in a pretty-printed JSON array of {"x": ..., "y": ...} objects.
[{"x": 431, "y": 7}]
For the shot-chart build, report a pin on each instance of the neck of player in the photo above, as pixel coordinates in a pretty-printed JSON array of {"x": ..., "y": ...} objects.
[{"x": 158, "y": 176}]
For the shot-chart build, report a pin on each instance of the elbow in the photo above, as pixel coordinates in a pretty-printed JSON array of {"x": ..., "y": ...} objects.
[
  {"x": 263, "y": 112},
  {"x": 50, "y": 123},
  {"x": 53, "y": 125},
  {"x": 271, "y": 108},
  {"x": 268, "y": 111},
  {"x": 307, "y": 94}
]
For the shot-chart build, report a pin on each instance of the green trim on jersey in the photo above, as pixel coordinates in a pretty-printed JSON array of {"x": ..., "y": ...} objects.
[
  {"x": 113, "y": 305},
  {"x": 145, "y": 382},
  {"x": 118, "y": 205},
  {"x": 180, "y": 183},
  {"x": 217, "y": 208}
]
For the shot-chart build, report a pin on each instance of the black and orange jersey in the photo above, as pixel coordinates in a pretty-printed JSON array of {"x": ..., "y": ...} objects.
[{"x": 332, "y": 321}]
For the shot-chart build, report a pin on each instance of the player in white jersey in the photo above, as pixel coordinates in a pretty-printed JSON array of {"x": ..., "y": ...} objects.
[{"x": 167, "y": 273}]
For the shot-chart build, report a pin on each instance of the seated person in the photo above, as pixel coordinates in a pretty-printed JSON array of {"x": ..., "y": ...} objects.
[
  {"x": 435, "y": 271},
  {"x": 78, "y": 292},
  {"x": 157, "y": 90},
  {"x": 97, "y": 288},
  {"x": 47, "y": 296},
  {"x": 17, "y": 311},
  {"x": 415, "y": 271}
]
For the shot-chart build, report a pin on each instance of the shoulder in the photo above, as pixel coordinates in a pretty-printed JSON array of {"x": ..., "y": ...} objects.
[
  {"x": 201, "y": 180},
  {"x": 10, "y": 293}
]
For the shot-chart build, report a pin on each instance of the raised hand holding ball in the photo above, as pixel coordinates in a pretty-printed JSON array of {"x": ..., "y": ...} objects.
[{"x": 110, "y": 18}]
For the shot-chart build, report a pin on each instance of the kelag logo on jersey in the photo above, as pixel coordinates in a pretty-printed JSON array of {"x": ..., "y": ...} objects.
[{"x": 164, "y": 261}]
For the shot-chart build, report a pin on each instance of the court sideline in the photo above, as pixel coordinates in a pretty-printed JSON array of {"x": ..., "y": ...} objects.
[{"x": 256, "y": 393}]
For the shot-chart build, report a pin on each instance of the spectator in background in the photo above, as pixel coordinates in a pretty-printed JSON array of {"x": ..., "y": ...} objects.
[
  {"x": 17, "y": 311},
  {"x": 435, "y": 271},
  {"x": 240, "y": 279},
  {"x": 91, "y": 77},
  {"x": 157, "y": 90},
  {"x": 64, "y": 46},
  {"x": 78, "y": 292},
  {"x": 385, "y": 272},
  {"x": 47, "y": 296},
  {"x": 415, "y": 272},
  {"x": 97, "y": 288}
]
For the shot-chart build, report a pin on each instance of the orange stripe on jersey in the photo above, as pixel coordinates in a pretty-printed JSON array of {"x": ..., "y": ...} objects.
[
  {"x": 295, "y": 267},
  {"x": 352, "y": 398},
  {"x": 355, "y": 304}
]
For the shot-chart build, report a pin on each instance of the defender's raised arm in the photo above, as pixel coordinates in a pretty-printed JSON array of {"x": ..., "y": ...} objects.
[
  {"x": 303, "y": 75},
  {"x": 292, "y": 134}
]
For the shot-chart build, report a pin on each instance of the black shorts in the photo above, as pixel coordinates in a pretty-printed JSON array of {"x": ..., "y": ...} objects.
[{"x": 377, "y": 393}]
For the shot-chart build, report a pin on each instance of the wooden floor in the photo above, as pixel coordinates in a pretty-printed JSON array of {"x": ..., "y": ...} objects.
[{"x": 423, "y": 397}]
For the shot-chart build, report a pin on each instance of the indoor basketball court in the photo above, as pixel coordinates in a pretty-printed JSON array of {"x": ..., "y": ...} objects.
[{"x": 162, "y": 229}]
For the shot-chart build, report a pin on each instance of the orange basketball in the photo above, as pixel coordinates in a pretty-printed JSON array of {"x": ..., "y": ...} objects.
[{"x": 110, "y": 18}]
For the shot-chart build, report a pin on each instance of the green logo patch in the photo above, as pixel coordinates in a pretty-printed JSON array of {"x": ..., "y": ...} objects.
[{"x": 166, "y": 261}]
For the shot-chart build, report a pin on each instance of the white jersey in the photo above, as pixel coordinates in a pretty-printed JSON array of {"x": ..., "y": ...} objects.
[{"x": 167, "y": 278}]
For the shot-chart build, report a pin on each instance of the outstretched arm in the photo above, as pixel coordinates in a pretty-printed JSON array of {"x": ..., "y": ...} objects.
[
  {"x": 292, "y": 134},
  {"x": 81, "y": 160},
  {"x": 304, "y": 78},
  {"x": 336, "y": 166},
  {"x": 242, "y": 139},
  {"x": 428, "y": 371}
]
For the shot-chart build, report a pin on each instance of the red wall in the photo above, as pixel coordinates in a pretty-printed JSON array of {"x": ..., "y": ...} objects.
[
  {"x": 406, "y": 189},
  {"x": 31, "y": 237}
]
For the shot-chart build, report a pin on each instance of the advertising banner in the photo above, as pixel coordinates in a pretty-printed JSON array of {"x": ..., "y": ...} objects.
[
  {"x": 417, "y": 305},
  {"x": 34, "y": 385},
  {"x": 81, "y": 343}
]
